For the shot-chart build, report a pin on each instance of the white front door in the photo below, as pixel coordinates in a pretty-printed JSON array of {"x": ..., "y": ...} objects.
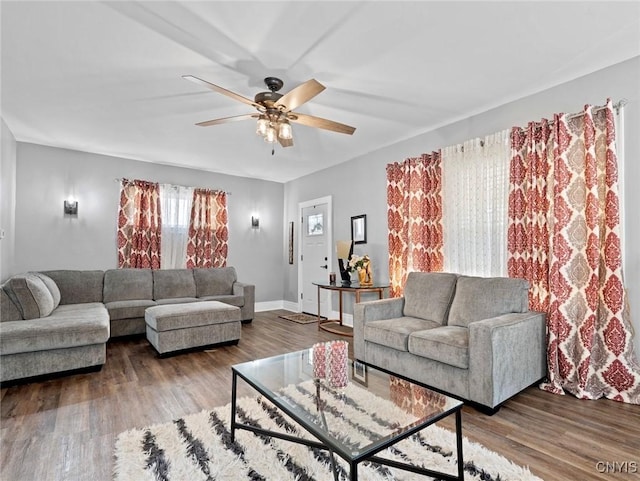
[{"x": 315, "y": 257}]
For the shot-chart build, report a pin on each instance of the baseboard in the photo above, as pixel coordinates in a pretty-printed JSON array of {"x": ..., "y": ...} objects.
[
  {"x": 268, "y": 306},
  {"x": 347, "y": 319},
  {"x": 281, "y": 304}
]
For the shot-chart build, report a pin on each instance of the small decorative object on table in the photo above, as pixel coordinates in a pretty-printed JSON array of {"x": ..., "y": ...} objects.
[
  {"x": 338, "y": 360},
  {"x": 330, "y": 361},
  {"x": 362, "y": 265},
  {"x": 319, "y": 360}
]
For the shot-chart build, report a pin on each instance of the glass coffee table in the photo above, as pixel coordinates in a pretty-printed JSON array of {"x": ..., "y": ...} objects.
[{"x": 374, "y": 411}]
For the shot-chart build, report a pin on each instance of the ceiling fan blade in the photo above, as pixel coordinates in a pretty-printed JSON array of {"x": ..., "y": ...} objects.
[
  {"x": 221, "y": 90},
  {"x": 311, "y": 121},
  {"x": 225, "y": 120},
  {"x": 285, "y": 142},
  {"x": 299, "y": 95}
]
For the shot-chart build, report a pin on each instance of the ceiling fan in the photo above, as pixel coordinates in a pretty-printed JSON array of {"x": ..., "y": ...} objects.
[{"x": 275, "y": 111}]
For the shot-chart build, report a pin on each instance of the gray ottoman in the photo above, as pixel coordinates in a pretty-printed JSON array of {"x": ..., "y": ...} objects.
[{"x": 175, "y": 327}]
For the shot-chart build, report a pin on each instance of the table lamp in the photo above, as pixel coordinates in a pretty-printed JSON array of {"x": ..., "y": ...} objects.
[{"x": 345, "y": 251}]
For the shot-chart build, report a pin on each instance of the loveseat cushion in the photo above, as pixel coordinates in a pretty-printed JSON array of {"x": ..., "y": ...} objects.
[
  {"x": 480, "y": 298},
  {"x": 215, "y": 281},
  {"x": 30, "y": 295},
  {"x": 394, "y": 333},
  {"x": 127, "y": 285},
  {"x": 428, "y": 295},
  {"x": 173, "y": 283},
  {"x": 78, "y": 286},
  {"x": 68, "y": 326},
  {"x": 447, "y": 344},
  {"x": 129, "y": 309}
]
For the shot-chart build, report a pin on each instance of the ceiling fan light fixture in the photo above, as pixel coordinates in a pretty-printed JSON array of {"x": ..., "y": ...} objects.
[
  {"x": 285, "y": 131},
  {"x": 271, "y": 135},
  {"x": 263, "y": 123}
]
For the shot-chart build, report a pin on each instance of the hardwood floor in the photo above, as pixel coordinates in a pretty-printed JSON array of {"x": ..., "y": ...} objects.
[{"x": 65, "y": 428}]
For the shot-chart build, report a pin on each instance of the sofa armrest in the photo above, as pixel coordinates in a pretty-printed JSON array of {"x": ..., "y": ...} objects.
[
  {"x": 506, "y": 354},
  {"x": 248, "y": 291},
  {"x": 364, "y": 312}
]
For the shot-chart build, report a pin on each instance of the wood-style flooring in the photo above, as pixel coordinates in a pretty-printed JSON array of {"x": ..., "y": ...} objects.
[{"x": 65, "y": 428}]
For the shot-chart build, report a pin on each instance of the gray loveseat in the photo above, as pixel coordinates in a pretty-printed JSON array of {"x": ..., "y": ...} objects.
[
  {"x": 471, "y": 337},
  {"x": 60, "y": 320}
]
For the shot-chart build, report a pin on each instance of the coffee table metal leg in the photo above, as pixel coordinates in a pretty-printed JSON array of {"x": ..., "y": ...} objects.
[
  {"x": 459, "y": 444},
  {"x": 234, "y": 384},
  {"x": 353, "y": 472}
]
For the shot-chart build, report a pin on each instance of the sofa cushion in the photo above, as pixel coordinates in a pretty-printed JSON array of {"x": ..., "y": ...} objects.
[
  {"x": 127, "y": 284},
  {"x": 428, "y": 295},
  {"x": 52, "y": 286},
  {"x": 30, "y": 295},
  {"x": 447, "y": 344},
  {"x": 64, "y": 328},
  {"x": 78, "y": 287},
  {"x": 176, "y": 300},
  {"x": 8, "y": 309},
  {"x": 215, "y": 281},
  {"x": 480, "y": 298},
  {"x": 394, "y": 333},
  {"x": 186, "y": 316},
  {"x": 129, "y": 309},
  {"x": 173, "y": 283},
  {"x": 237, "y": 301}
]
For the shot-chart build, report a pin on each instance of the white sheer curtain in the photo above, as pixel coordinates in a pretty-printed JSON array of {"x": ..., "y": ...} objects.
[
  {"x": 475, "y": 189},
  {"x": 175, "y": 204}
]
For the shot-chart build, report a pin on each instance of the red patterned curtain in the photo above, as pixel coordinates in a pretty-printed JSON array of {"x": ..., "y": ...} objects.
[
  {"x": 564, "y": 237},
  {"x": 139, "y": 225},
  {"x": 208, "y": 231},
  {"x": 414, "y": 215}
]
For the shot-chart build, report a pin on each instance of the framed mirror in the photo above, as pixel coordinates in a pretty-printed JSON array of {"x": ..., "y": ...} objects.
[{"x": 359, "y": 229}]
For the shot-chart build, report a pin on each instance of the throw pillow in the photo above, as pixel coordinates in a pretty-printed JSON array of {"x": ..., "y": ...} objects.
[
  {"x": 34, "y": 299},
  {"x": 52, "y": 286}
]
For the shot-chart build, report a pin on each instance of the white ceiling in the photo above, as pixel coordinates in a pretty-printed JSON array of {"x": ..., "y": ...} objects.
[{"x": 105, "y": 77}]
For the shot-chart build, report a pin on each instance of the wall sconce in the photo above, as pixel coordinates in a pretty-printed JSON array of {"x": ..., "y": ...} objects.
[
  {"x": 70, "y": 207},
  {"x": 255, "y": 222}
]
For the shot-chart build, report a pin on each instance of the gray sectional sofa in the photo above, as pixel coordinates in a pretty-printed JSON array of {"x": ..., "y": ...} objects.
[
  {"x": 60, "y": 320},
  {"x": 471, "y": 337}
]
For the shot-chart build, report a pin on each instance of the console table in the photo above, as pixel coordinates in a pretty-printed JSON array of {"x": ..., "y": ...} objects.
[{"x": 336, "y": 326}]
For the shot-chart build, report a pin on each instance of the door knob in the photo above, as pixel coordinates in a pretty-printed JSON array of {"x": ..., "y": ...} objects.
[{"x": 324, "y": 266}]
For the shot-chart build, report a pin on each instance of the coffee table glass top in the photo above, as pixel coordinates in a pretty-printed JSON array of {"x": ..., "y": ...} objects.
[{"x": 373, "y": 410}]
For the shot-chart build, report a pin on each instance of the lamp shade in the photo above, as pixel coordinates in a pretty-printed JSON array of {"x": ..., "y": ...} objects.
[
  {"x": 263, "y": 123},
  {"x": 285, "y": 131},
  {"x": 271, "y": 135},
  {"x": 343, "y": 249}
]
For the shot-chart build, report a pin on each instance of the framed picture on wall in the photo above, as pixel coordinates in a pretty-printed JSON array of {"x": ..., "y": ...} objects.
[{"x": 359, "y": 229}]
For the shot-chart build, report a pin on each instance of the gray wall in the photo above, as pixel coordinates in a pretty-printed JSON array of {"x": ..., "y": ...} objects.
[
  {"x": 367, "y": 195},
  {"x": 7, "y": 202},
  {"x": 46, "y": 239}
]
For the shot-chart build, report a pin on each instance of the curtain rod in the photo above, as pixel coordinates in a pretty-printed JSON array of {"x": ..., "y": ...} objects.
[
  {"x": 120, "y": 179},
  {"x": 617, "y": 106}
]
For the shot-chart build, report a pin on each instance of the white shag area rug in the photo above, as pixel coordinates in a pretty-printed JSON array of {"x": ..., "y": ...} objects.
[{"x": 198, "y": 447}]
